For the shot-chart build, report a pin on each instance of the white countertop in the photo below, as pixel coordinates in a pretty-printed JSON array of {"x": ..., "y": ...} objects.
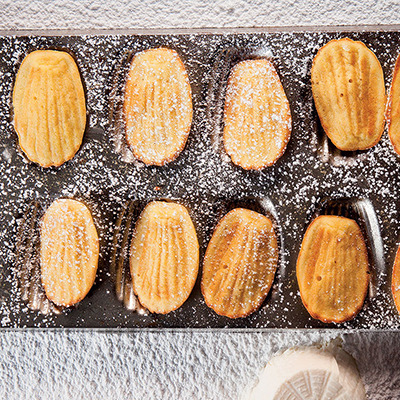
[{"x": 177, "y": 365}]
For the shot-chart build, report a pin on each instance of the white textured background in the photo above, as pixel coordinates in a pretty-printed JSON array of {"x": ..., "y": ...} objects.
[
  {"x": 177, "y": 365},
  {"x": 84, "y": 14}
]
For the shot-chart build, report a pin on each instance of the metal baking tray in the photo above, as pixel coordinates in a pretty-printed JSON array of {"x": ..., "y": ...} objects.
[{"x": 309, "y": 179}]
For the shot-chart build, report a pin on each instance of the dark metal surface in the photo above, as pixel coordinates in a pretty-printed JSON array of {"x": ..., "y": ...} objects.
[{"x": 298, "y": 186}]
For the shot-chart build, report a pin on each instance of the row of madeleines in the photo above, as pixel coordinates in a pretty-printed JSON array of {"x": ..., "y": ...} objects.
[
  {"x": 238, "y": 269},
  {"x": 347, "y": 84}
]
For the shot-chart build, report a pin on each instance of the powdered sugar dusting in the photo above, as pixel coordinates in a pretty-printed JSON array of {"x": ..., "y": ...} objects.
[{"x": 199, "y": 178}]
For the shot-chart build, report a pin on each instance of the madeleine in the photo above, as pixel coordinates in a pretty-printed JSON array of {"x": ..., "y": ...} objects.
[
  {"x": 157, "y": 106},
  {"x": 257, "y": 119},
  {"x": 49, "y": 107},
  {"x": 396, "y": 281},
  {"x": 393, "y": 110},
  {"x": 240, "y": 263},
  {"x": 349, "y": 94},
  {"x": 69, "y": 252},
  {"x": 164, "y": 257},
  {"x": 332, "y": 269}
]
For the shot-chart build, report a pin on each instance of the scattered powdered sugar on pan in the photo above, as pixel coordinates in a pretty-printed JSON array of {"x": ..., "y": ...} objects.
[{"x": 202, "y": 178}]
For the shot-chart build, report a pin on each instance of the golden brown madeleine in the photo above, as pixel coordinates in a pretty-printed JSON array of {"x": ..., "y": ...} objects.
[
  {"x": 396, "y": 280},
  {"x": 164, "y": 257},
  {"x": 49, "y": 107},
  {"x": 257, "y": 120},
  {"x": 393, "y": 110},
  {"x": 240, "y": 263},
  {"x": 332, "y": 269},
  {"x": 157, "y": 106},
  {"x": 69, "y": 251},
  {"x": 349, "y": 94}
]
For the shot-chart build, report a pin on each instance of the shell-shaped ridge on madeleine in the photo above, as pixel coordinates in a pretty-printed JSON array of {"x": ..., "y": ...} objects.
[
  {"x": 164, "y": 256},
  {"x": 69, "y": 251},
  {"x": 349, "y": 94},
  {"x": 257, "y": 118},
  {"x": 49, "y": 107},
  {"x": 157, "y": 106},
  {"x": 240, "y": 263},
  {"x": 332, "y": 269}
]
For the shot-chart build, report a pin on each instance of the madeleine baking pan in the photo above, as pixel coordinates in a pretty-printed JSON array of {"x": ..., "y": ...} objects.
[{"x": 311, "y": 178}]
